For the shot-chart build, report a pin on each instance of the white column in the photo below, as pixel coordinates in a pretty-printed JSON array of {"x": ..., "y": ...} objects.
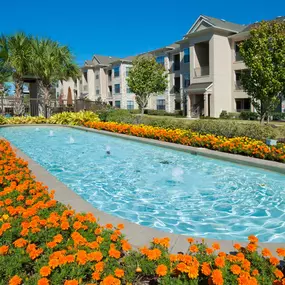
[
  {"x": 188, "y": 106},
  {"x": 206, "y": 104}
]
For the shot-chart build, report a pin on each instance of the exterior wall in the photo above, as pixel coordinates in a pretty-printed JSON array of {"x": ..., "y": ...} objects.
[
  {"x": 221, "y": 64},
  {"x": 91, "y": 84},
  {"x": 63, "y": 86}
]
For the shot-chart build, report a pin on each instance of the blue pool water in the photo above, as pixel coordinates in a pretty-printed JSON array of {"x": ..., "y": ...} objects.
[{"x": 158, "y": 187}]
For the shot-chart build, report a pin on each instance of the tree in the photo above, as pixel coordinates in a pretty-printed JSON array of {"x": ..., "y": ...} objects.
[
  {"x": 146, "y": 77},
  {"x": 51, "y": 63},
  {"x": 15, "y": 56},
  {"x": 264, "y": 55}
]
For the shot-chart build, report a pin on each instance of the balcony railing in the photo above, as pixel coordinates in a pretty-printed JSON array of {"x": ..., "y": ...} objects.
[
  {"x": 201, "y": 71},
  {"x": 238, "y": 56},
  {"x": 238, "y": 85}
]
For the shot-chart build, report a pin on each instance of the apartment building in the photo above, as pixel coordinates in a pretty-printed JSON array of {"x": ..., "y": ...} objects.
[{"x": 204, "y": 70}]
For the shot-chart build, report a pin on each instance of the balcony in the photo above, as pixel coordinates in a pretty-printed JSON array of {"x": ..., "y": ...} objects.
[
  {"x": 201, "y": 71},
  {"x": 238, "y": 85},
  {"x": 238, "y": 56}
]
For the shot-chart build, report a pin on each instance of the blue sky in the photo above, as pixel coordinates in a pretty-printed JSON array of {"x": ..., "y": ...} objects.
[{"x": 122, "y": 28}]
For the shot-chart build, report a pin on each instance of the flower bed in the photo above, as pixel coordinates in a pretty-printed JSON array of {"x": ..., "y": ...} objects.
[
  {"x": 237, "y": 145},
  {"x": 45, "y": 242}
]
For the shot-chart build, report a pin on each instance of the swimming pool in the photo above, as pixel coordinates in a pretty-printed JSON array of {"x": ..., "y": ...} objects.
[{"x": 159, "y": 187}]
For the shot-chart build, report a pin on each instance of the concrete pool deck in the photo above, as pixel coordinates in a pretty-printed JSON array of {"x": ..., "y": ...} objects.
[{"x": 136, "y": 234}]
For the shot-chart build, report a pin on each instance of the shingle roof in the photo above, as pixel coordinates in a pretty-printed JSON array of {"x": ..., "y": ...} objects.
[
  {"x": 224, "y": 24},
  {"x": 278, "y": 19},
  {"x": 102, "y": 59}
]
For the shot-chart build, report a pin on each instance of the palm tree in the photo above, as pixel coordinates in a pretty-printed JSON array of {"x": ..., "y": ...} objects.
[
  {"x": 15, "y": 55},
  {"x": 51, "y": 62}
]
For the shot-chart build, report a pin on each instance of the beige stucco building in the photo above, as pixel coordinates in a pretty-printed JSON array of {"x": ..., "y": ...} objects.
[{"x": 204, "y": 70}]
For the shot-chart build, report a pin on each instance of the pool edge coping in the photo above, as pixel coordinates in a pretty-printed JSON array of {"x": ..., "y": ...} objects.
[{"x": 137, "y": 235}]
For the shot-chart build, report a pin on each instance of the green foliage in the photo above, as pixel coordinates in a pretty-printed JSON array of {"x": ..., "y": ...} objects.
[
  {"x": 231, "y": 129},
  {"x": 25, "y": 120},
  {"x": 264, "y": 55},
  {"x": 74, "y": 119},
  {"x": 116, "y": 115},
  {"x": 246, "y": 115},
  {"x": 2, "y": 120},
  {"x": 146, "y": 78},
  {"x": 277, "y": 116}
]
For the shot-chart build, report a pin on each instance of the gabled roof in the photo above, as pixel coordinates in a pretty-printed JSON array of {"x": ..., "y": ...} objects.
[
  {"x": 216, "y": 23},
  {"x": 102, "y": 59}
]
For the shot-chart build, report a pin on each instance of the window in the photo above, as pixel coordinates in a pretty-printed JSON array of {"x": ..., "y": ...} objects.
[
  {"x": 177, "y": 85},
  {"x": 186, "y": 55},
  {"x": 110, "y": 75},
  {"x": 129, "y": 90},
  {"x": 237, "y": 52},
  {"x": 97, "y": 91},
  {"x": 97, "y": 76},
  {"x": 238, "y": 75},
  {"x": 177, "y": 104},
  {"x": 160, "y": 104},
  {"x": 160, "y": 59},
  {"x": 117, "y": 89},
  {"x": 176, "y": 65},
  {"x": 242, "y": 105},
  {"x": 118, "y": 104},
  {"x": 57, "y": 94},
  {"x": 127, "y": 70},
  {"x": 186, "y": 80},
  {"x": 117, "y": 71},
  {"x": 130, "y": 105}
]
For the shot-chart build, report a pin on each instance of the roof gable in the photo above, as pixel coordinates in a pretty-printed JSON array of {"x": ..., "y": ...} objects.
[{"x": 204, "y": 22}]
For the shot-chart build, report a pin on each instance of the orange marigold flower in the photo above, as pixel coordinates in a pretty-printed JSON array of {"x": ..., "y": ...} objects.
[
  {"x": 153, "y": 254},
  {"x": 109, "y": 226},
  {"x": 98, "y": 231},
  {"x": 77, "y": 225},
  {"x": 96, "y": 275},
  {"x": 266, "y": 252},
  {"x": 215, "y": 246},
  {"x": 161, "y": 270},
  {"x": 69, "y": 258},
  {"x": 237, "y": 246},
  {"x": 235, "y": 269},
  {"x": 246, "y": 264},
  {"x": 193, "y": 272},
  {"x": 114, "y": 253},
  {"x": 110, "y": 280},
  {"x": 45, "y": 271},
  {"x": 114, "y": 237},
  {"x": 100, "y": 266},
  {"x": 95, "y": 256},
  {"x": 274, "y": 261},
  {"x": 281, "y": 252},
  {"x": 125, "y": 245},
  {"x": 278, "y": 273},
  {"x": 209, "y": 250},
  {"x": 182, "y": 267},
  {"x": 206, "y": 269},
  {"x": 220, "y": 262},
  {"x": 251, "y": 247},
  {"x": 253, "y": 239},
  {"x": 4, "y": 249},
  {"x": 64, "y": 225},
  {"x": 15, "y": 280},
  {"x": 120, "y": 226},
  {"x": 20, "y": 242},
  {"x": 193, "y": 248},
  {"x": 190, "y": 240},
  {"x": 119, "y": 273},
  {"x": 71, "y": 282},
  {"x": 255, "y": 272},
  {"x": 43, "y": 281},
  {"x": 217, "y": 277}
]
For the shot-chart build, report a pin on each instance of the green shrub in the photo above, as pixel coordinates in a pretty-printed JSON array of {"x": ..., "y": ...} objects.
[
  {"x": 246, "y": 115},
  {"x": 277, "y": 116},
  {"x": 2, "y": 120},
  {"x": 116, "y": 115},
  {"x": 70, "y": 118},
  {"x": 231, "y": 129},
  {"x": 26, "y": 120}
]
